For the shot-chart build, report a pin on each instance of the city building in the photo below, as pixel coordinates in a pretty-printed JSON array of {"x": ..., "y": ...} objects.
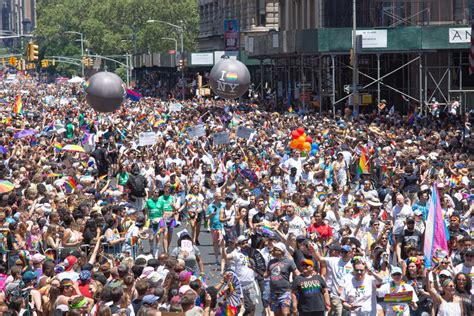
[
  {"x": 413, "y": 51},
  {"x": 18, "y": 16},
  {"x": 252, "y": 16}
]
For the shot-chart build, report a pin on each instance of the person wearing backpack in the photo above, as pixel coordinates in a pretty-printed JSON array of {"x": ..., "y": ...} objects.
[
  {"x": 27, "y": 292},
  {"x": 137, "y": 185}
]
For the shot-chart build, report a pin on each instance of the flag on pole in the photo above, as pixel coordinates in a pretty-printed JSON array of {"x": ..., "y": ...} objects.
[
  {"x": 133, "y": 95},
  {"x": 18, "y": 105},
  {"x": 471, "y": 53},
  {"x": 436, "y": 234},
  {"x": 363, "y": 166}
]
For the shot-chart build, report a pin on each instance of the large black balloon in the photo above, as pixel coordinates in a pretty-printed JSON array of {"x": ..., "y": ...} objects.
[
  {"x": 229, "y": 78},
  {"x": 105, "y": 91}
]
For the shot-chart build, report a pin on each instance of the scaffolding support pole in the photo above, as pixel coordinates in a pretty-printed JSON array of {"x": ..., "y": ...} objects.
[
  {"x": 333, "y": 96},
  {"x": 449, "y": 76},
  {"x": 378, "y": 77},
  {"x": 421, "y": 83},
  {"x": 426, "y": 85},
  {"x": 320, "y": 92}
]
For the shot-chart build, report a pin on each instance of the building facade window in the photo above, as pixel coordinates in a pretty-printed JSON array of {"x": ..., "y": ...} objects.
[{"x": 261, "y": 13}]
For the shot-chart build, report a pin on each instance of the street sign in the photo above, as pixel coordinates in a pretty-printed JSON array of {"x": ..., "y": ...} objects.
[
  {"x": 299, "y": 85},
  {"x": 348, "y": 88}
]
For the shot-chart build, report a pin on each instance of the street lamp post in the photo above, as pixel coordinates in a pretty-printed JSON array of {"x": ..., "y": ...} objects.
[
  {"x": 181, "y": 33},
  {"x": 82, "y": 47}
]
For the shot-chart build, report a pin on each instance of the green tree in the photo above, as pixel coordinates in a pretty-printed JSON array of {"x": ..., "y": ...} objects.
[{"x": 112, "y": 27}]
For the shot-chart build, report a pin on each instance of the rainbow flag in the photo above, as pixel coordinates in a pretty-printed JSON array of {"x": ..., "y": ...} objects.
[
  {"x": 141, "y": 117},
  {"x": 436, "y": 233},
  {"x": 321, "y": 195},
  {"x": 267, "y": 230},
  {"x": 70, "y": 184},
  {"x": 58, "y": 147},
  {"x": 454, "y": 181},
  {"x": 401, "y": 297},
  {"x": 202, "y": 280},
  {"x": 18, "y": 105},
  {"x": 227, "y": 310},
  {"x": 363, "y": 166},
  {"x": 133, "y": 241}
]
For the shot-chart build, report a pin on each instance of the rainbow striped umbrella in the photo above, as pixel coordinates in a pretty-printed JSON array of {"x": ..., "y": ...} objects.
[
  {"x": 74, "y": 148},
  {"x": 6, "y": 186}
]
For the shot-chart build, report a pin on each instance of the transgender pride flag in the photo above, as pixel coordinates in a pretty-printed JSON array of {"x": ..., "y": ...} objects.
[{"x": 436, "y": 234}]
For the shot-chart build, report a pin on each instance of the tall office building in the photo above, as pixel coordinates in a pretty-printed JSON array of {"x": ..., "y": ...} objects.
[{"x": 253, "y": 16}]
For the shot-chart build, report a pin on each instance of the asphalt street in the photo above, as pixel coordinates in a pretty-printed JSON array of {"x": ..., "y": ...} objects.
[{"x": 213, "y": 274}]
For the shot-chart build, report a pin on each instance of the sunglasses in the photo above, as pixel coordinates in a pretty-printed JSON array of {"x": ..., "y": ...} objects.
[
  {"x": 397, "y": 274},
  {"x": 359, "y": 270},
  {"x": 306, "y": 265}
]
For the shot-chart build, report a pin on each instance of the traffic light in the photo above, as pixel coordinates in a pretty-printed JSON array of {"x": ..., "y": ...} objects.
[
  {"x": 53, "y": 62},
  {"x": 21, "y": 65},
  {"x": 44, "y": 63},
  {"x": 12, "y": 61},
  {"x": 3, "y": 61},
  {"x": 32, "y": 51},
  {"x": 87, "y": 61},
  {"x": 181, "y": 64}
]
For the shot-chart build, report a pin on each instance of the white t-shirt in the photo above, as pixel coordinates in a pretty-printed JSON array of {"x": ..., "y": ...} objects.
[
  {"x": 176, "y": 160},
  {"x": 241, "y": 265},
  {"x": 360, "y": 293},
  {"x": 391, "y": 309},
  {"x": 296, "y": 225},
  {"x": 337, "y": 270},
  {"x": 399, "y": 215}
]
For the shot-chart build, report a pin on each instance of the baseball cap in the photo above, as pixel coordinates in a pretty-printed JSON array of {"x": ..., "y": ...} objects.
[
  {"x": 150, "y": 299},
  {"x": 300, "y": 238},
  {"x": 241, "y": 238},
  {"x": 418, "y": 212},
  {"x": 335, "y": 247},
  {"x": 69, "y": 262},
  {"x": 184, "y": 275},
  {"x": 38, "y": 258},
  {"x": 346, "y": 248},
  {"x": 280, "y": 246},
  {"x": 146, "y": 271},
  {"x": 184, "y": 289},
  {"x": 308, "y": 262},
  {"x": 396, "y": 270},
  {"x": 469, "y": 251},
  {"x": 85, "y": 275},
  {"x": 28, "y": 276},
  {"x": 445, "y": 273}
]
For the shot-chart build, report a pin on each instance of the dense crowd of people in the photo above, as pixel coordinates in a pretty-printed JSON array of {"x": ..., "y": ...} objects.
[{"x": 104, "y": 213}]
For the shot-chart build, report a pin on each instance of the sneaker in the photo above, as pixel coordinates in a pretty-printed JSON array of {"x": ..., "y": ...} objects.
[{"x": 178, "y": 223}]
